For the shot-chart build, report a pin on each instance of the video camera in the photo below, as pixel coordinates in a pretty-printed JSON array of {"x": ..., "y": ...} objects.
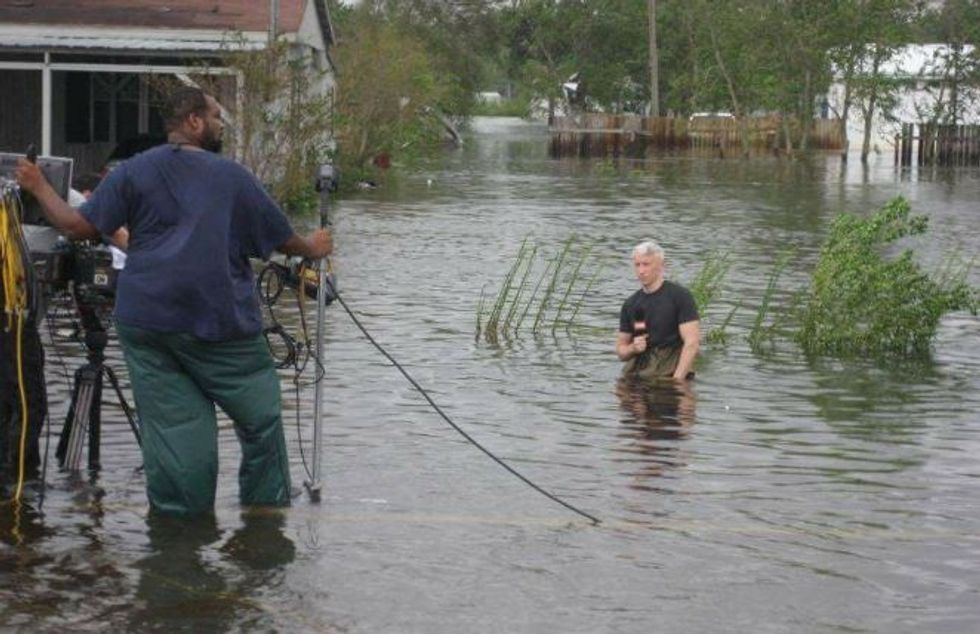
[{"x": 59, "y": 263}]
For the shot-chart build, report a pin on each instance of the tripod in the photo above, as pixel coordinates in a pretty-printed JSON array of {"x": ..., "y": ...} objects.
[{"x": 85, "y": 412}]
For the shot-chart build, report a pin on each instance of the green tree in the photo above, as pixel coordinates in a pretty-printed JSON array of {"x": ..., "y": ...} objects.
[
  {"x": 865, "y": 36},
  {"x": 389, "y": 96},
  {"x": 955, "y": 23},
  {"x": 862, "y": 303}
]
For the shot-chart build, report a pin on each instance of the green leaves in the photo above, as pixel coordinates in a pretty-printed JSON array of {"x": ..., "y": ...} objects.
[{"x": 859, "y": 302}]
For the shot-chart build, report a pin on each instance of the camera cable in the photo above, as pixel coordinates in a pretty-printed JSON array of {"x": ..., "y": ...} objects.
[
  {"x": 421, "y": 390},
  {"x": 17, "y": 280},
  {"x": 272, "y": 280}
]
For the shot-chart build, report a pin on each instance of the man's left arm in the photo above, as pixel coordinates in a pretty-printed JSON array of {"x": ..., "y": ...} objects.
[{"x": 691, "y": 336}]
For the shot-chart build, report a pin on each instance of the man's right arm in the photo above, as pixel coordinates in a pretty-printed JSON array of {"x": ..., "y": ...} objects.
[
  {"x": 315, "y": 245},
  {"x": 628, "y": 346},
  {"x": 59, "y": 213}
]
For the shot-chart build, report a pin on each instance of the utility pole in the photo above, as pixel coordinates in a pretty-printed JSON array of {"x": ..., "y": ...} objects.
[
  {"x": 273, "y": 21},
  {"x": 654, "y": 59}
]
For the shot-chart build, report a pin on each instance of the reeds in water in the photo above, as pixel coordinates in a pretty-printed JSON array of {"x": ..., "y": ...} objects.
[
  {"x": 558, "y": 290},
  {"x": 705, "y": 287}
]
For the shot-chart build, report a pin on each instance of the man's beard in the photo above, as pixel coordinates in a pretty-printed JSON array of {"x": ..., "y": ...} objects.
[{"x": 211, "y": 142}]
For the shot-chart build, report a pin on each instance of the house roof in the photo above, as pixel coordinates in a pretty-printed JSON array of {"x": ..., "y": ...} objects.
[
  {"x": 238, "y": 15},
  {"x": 161, "y": 25}
]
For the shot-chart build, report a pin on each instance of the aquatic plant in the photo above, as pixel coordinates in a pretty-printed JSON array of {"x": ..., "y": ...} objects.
[
  {"x": 500, "y": 303},
  {"x": 761, "y": 331},
  {"x": 547, "y": 302},
  {"x": 859, "y": 302},
  {"x": 553, "y": 284},
  {"x": 705, "y": 288},
  {"x": 706, "y": 284}
]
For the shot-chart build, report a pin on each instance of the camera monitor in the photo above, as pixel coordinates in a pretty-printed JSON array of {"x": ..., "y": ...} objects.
[{"x": 56, "y": 169}]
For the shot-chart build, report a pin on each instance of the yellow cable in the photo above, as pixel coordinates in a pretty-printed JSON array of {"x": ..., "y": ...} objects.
[
  {"x": 15, "y": 304},
  {"x": 21, "y": 467}
]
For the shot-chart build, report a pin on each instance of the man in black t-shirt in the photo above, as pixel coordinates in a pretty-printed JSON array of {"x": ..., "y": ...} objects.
[{"x": 659, "y": 330}]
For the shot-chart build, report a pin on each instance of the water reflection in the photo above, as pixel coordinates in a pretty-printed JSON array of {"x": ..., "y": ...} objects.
[
  {"x": 20, "y": 525},
  {"x": 658, "y": 415},
  {"x": 182, "y": 583}
]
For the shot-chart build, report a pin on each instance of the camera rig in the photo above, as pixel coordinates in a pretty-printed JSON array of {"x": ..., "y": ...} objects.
[
  {"x": 59, "y": 265},
  {"x": 51, "y": 267}
]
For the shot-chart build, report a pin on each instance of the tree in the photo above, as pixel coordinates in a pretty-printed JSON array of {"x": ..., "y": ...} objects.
[
  {"x": 654, "y": 59},
  {"x": 867, "y": 34},
  {"x": 389, "y": 93},
  {"x": 281, "y": 113},
  {"x": 956, "y": 23}
]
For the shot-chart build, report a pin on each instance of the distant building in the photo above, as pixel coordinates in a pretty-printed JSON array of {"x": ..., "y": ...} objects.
[
  {"x": 76, "y": 75},
  {"x": 922, "y": 69}
]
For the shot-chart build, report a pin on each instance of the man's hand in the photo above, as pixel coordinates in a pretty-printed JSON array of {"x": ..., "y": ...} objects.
[
  {"x": 314, "y": 246},
  {"x": 321, "y": 241},
  {"x": 628, "y": 346},
  {"x": 30, "y": 176},
  {"x": 639, "y": 344}
]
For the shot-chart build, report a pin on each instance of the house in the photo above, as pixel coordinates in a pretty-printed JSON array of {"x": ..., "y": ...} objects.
[
  {"x": 77, "y": 76},
  {"x": 922, "y": 71}
]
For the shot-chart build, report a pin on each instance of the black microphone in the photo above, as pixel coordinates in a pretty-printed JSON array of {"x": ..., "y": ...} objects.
[{"x": 639, "y": 323}]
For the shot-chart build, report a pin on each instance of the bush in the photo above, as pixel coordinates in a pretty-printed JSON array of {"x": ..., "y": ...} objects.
[{"x": 860, "y": 303}]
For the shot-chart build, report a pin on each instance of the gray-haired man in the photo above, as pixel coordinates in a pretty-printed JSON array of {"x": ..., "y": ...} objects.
[{"x": 659, "y": 330}]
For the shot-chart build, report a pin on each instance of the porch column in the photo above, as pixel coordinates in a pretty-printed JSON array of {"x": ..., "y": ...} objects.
[{"x": 46, "y": 106}]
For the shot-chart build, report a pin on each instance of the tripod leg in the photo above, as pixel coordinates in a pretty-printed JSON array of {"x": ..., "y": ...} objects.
[
  {"x": 95, "y": 421},
  {"x": 130, "y": 414},
  {"x": 63, "y": 438},
  {"x": 82, "y": 407}
]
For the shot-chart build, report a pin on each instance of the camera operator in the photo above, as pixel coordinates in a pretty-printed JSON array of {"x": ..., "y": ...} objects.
[{"x": 187, "y": 311}]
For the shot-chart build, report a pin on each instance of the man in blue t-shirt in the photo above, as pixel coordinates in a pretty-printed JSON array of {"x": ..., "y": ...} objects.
[
  {"x": 659, "y": 330},
  {"x": 187, "y": 312}
]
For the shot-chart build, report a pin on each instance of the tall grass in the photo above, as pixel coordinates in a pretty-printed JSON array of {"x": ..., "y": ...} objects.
[
  {"x": 558, "y": 281},
  {"x": 705, "y": 287},
  {"x": 761, "y": 332}
]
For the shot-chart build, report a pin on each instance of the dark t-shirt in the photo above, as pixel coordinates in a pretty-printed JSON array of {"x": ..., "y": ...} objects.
[
  {"x": 194, "y": 220},
  {"x": 663, "y": 311}
]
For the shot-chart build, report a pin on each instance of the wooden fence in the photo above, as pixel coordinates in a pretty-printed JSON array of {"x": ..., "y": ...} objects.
[
  {"x": 939, "y": 145},
  {"x": 600, "y": 134}
]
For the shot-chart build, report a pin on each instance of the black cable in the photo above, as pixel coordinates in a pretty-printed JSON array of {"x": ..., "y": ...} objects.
[{"x": 469, "y": 438}]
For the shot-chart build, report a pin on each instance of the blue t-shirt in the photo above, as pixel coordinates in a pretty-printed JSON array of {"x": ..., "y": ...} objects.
[{"x": 194, "y": 220}]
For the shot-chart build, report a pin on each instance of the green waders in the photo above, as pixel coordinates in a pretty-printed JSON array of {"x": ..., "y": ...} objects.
[
  {"x": 653, "y": 364},
  {"x": 177, "y": 380}
]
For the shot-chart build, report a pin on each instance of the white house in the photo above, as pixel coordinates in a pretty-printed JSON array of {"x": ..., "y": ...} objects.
[
  {"x": 76, "y": 74},
  {"x": 921, "y": 67}
]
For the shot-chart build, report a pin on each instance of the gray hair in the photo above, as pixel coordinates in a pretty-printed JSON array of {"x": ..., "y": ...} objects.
[{"x": 648, "y": 247}]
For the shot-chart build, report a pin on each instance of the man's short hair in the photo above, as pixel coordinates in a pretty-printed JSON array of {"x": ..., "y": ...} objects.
[
  {"x": 183, "y": 102},
  {"x": 648, "y": 247}
]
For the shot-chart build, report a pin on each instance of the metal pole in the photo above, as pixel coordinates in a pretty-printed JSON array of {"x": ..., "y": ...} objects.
[
  {"x": 46, "y": 97},
  {"x": 315, "y": 485},
  {"x": 273, "y": 21}
]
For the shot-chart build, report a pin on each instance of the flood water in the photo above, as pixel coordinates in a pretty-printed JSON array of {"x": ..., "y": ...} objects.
[{"x": 778, "y": 494}]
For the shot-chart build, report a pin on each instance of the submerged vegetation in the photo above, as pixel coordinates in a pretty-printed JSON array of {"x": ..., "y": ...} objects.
[
  {"x": 555, "y": 299},
  {"x": 705, "y": 288},
  {"x": 859, "y": 302}
]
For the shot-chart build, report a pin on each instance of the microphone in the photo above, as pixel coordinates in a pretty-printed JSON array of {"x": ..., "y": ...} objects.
[{"x": 639, "y": 323}]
